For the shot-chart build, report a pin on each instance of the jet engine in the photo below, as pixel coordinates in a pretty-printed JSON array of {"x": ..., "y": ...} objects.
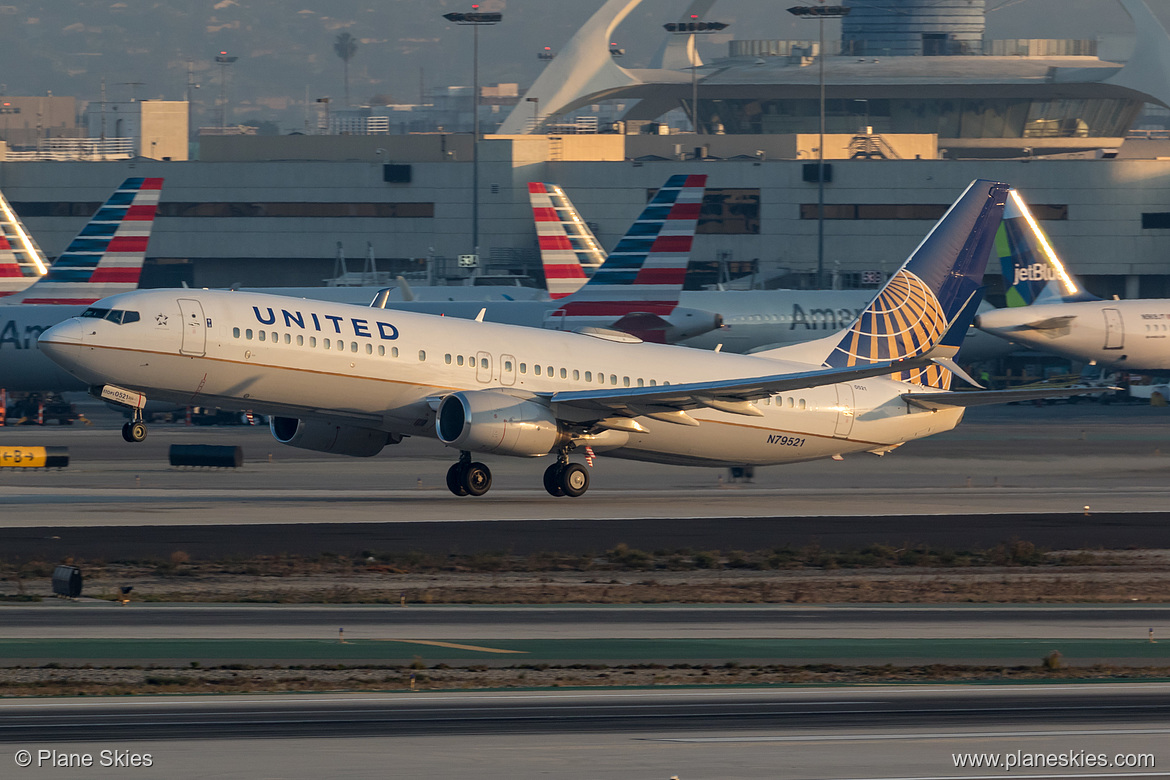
[
  {"x": 331, "y": 437},
  {"x": 490, "y": 421}
]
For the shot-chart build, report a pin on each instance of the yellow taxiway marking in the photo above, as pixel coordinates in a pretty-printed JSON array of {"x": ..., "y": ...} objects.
[{"x": 453, "y": 646}]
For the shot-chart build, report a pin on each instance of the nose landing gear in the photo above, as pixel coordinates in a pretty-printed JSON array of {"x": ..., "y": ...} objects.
[
  {"x": 467, "y": 478},
  {"x": 135, "y": 430}
]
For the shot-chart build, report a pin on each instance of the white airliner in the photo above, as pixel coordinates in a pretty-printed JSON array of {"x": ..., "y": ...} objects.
[
  {"x": 752, "y": 319},
  {"x": 350, "y": 380},
  {"x": 636, "y": 290},
  {"x": 105, "y": 258},
  {"x": 1049, "y": 310}
]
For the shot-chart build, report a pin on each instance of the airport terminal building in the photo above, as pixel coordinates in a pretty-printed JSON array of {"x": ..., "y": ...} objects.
[{"x": 907, "y": 131}]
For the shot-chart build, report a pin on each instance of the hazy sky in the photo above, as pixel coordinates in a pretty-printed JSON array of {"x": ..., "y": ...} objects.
[{"x": 285, "y": 47}]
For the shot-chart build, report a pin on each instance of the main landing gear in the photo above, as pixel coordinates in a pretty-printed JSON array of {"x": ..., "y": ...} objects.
[
  {"x": 466, "y": 478},
  {"x": 135, "y": 430},
  {"x": 469, "y": 478},
  {"x": 566, "y": 479}
]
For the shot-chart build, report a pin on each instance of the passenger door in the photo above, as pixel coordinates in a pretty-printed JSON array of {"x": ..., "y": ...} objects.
[
  {"x": 1114, "y": 329},
  {"x": 194, "y": 331},
  {"x": 845, "y": 411}
]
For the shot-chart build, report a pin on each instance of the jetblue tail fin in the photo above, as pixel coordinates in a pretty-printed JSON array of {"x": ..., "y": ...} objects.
[
  {"x": 1032, "y": 271},
  {"x": 106, "y": 256},
  {"x": 568, "y": 249},
  {"x": 927, "y": 306},
  {"x": 644, "y": 274},
  {"x": 21, "y": 261}
]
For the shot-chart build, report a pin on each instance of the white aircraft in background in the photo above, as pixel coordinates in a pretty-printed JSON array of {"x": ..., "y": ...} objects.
[
  {"x": 21, "y": 261},
  {"x": 1048, "y": 309},
  {"x": 350, "y": 380},
  {"x": 752, "y": 319},
  {"x": 104, "y": 259},
  {"x": 635, "y": 291}
]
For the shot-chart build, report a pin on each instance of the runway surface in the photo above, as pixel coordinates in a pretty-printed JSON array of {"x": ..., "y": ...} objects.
[
  {"x": 106, "y": 620},
  {"x": 1023, "y": 460},
  {"x": 894, "y": 732}
]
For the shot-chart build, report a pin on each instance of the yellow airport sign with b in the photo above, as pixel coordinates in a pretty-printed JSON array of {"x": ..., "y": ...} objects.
[{"x": 34, "y": 457}]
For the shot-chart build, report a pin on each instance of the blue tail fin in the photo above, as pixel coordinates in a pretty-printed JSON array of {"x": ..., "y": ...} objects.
[
  {"x": 107, "y": 255},
  {"x": 1032, "y": 271},
  {"x": 644, "y": 274},
  {"x": 929, "y": 303}
]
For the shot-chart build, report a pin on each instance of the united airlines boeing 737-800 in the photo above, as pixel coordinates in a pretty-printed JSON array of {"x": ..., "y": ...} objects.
[{"x": 350, "y": 380}]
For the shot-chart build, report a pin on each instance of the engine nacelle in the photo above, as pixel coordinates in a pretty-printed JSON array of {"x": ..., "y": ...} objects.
[
  {"x": 488, "y": 421},
  {"x": 688, "y": 323},
  {"x": 325, "y": 436}
]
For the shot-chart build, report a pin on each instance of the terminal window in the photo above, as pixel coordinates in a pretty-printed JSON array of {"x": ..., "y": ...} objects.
[
  {"x": 279, "y": 209},
  {"x": 1156, "y": 220},
  {"x": 924, "y": 211},
  {"x": 727, "y": 211}
]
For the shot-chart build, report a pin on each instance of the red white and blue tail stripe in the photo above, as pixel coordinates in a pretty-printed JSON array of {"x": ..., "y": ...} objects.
[
  {"x": 568, "y": 249},
  {"x": 644, "y": 274},
  {"x": 106, "y": 256},
  {"x": 21, "y": 261}
]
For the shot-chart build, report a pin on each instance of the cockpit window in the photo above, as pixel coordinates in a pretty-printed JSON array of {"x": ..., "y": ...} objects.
[{"x": 116, "y": 316}]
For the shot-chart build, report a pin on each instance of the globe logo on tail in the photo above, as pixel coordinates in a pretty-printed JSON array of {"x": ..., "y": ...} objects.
[{"x": 904, "y": 320}]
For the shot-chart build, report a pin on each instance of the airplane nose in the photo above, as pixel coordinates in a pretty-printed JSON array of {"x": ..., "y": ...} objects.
[{"x": 62, "y": 342}]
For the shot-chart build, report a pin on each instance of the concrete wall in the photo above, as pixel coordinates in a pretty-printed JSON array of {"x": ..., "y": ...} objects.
[{"x": 1101, "y": 237}]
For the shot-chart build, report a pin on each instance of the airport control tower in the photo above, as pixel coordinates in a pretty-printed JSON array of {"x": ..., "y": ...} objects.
[{"x": 913, "y": 28}]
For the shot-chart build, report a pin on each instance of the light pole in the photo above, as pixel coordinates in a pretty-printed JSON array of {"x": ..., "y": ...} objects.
[
  {"x": 224, "y": 61},
  {"x": 820, "y": 12},
  {"x": 692, "y": 28},
  {"x": 475, "y": 19},
  {"x": 191, "y": 86}
]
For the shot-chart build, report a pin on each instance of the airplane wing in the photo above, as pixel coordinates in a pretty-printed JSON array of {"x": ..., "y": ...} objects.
[
  {"x": 733, "y": 396},
  {"x": 965, "y": 398}
]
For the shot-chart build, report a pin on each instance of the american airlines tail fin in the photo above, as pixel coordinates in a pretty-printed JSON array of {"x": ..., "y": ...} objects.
[
  {"x": 1032, "y": 271},
  {"x": 21, "y": 261},
  {"x": 928, "y": 304},
  {"x": 568, "y": 248},
  {"x": 637, "y": 288},
  {"x": 106, "y": 256}
]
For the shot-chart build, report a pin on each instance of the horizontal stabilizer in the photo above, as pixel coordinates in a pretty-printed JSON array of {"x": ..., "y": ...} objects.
[{"x": 963, "y": 399}]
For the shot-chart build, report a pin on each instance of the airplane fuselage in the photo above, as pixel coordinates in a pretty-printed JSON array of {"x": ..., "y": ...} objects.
[
  {"x": 1129, "y": 335},
  {"x": 384, "y": 370}
]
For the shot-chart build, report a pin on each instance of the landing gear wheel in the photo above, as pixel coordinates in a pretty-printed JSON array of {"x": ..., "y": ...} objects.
[
  {"x": 455, "y": 479},
  {"x": 552, "y": 480},
  {"x": 134, "y": 431},
  {"x": 477, "y": 479},
  {"x": 574, "y": 480}
]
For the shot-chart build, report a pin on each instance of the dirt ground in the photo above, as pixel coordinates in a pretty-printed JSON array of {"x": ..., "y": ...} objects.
[{"x": 1077, "y": 577}]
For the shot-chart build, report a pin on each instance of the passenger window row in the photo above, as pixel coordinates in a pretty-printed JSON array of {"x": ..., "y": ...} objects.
[{"x": 337, "y": 345}]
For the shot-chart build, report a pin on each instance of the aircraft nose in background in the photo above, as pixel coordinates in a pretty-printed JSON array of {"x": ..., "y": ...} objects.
[{"x": 62, "y": 342}]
